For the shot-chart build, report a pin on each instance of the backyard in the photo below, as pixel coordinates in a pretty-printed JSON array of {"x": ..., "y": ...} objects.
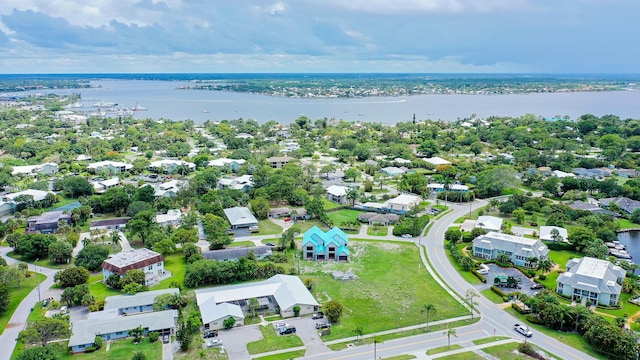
[
  {"x": 267, "y": 227},
  {"x": 344, "y": 216},
  {"x": 391, "y": 288},
  {"x": 122, "y": 349}
]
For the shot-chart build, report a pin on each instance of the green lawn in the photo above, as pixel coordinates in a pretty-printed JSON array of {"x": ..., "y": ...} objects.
[
  {"x": 241, "y": 244},
  {"x": 562, "y": 257},
  {"x": 345, "y": 215},
  {"x": 284, "y": 356},
  {"x": 550, "y": 282},
  {"x": 271, "y": 240},
  {"x": 495, "y": 298},
  {"x": 98, "y": 289},
  {"x": 626, "y": 307},
  {"x": 574, "y": 340},
  {"x": 272, "y": 341},
  {"x": 328, "y": 205},
  {"x": 41, "y": 262},
  {"x": 392, "y": 288},
  {"x": 381, "y": 231},
  {"x": 626, "y": 224},
  {"x": 121, "y": 349},
  {"x": 268, "y": 228},
  {"x": 16, "y": 297},
  {"x": 489, "y": 340},
  {"x": 505, "y": 351},
  {"x": 442, "y": 349},
  {"x": 305, "y": 225},
  {"x": 178, "y": 267},
  {"x": 470, "y": 355},
  {"x": 467, "y": 275},
  {"x": 400, "y": 357}
]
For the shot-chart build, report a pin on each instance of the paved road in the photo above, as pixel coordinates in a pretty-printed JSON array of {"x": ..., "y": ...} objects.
[
  {"x": 493, "y": 318},
  {"x": 18, "y": 321}
]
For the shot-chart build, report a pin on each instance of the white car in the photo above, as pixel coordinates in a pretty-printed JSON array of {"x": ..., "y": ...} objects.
[
  {"x": 523, "y": 330},
  {"x": 280, "y": 325},
  {"x": 214, "y": 343},
  {"x": 407, "y": 236}
]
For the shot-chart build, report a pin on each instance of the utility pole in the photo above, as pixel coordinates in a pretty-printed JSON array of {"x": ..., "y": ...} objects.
[{"x": 35, "y": 267}]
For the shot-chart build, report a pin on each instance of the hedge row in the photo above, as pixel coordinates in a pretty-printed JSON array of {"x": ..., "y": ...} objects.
[
  {"x": 498, "y": 291},
  {"x": 519, "y": 309},
  {"x": 479, "y": 276}
]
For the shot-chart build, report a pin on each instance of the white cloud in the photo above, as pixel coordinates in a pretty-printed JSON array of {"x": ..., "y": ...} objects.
[{"x": 428, "y": 6}]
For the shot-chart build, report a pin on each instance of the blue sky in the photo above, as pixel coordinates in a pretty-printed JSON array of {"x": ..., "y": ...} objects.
[{"x": 542, "y": 36}]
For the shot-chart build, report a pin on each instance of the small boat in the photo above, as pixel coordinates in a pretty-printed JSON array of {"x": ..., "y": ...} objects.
[
  {"x": 104, "y": 104},
  {"x": 620, "y": 254},
  {"x": 138, "y": 108}
]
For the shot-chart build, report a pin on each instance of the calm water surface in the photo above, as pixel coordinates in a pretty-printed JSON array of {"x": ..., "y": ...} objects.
[{"x": 164, "y": 100}]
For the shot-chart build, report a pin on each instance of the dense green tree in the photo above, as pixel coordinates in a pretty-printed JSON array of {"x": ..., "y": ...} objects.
[
  {"x": 72, "y": 276},
  {"x": 92, "y": 256},
  {"x": 493, "y": 181},
  {"x": 165, "y": 247},
  {"x": 260, "y": 207},
  {"x": 143, "y": 224},
  {"x": 60, "y": 252},
  {"x": 215, "y": 228},
  {"x": 5, "y": 297},
  {"x": 39, "y": 353},
  {"x": 333, "y": 309},
  {"x": 44, "y": 330},
  {"x": 137, "y": 206}
]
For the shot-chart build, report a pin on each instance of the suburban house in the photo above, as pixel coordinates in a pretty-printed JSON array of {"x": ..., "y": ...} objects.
[
  {"x": 109, "y": 166},
  {"x": 546, "y": 233},
  {"x": 110, "y": 326},
  {"x": 235, "y": 253},
  {"x": 110, "y": 224},
  {"x": 232, "y": 164},
  {"x": 48, "y": 222},
  {"x": 9, "y": 204},
  {"x": 402, "y": 204},
  {"x": 168, "y": 166},
  {"x": 100, "y": 186},
  {"x": 320, "y": 245},
  {"x": 591, "y": 173},
  {"x": 393, "y": 171},
  {"x": 592, "y": 208},
  {"x": 519, "y": 249},
  {"x": 561, "y": 174},
  {"x": 299, "y": 214},
  {"x": 435, "y": 187},
  {"x": 283, "y": 292},
  {"x": 489, "y": 223},
  {"x": 240, "y": 217},
  {"x": 42, "y": 169},
  {"x": 277, "y": 162},
  {"x": 401, "y": 161},
  {"x": 592, "y": 279},
  {"x": 172, "y": 217},
  {"x": 337, "y": 194},
  {"x": 169, "y": 189},
  {"x": 627, "y": 173},
  {"x": 137, "y": 303},
  {"x": 437, "y": 161},
  {"x": 378, "y": 219},
  {"x": 623, "y": 203},
  {"x": 149, "y": 261},
  {"x": 243, "y": 183}
]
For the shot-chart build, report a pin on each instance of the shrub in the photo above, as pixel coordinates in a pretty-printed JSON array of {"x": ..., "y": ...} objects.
[
  {"x": 499, "y": 291},
  {"x": 519, "y": 309},
  {"x": 153, "y": 336},
  {"x": 90, "y": 349},
  {"x": 296, "y": 310},
  {"x": 229, "y": 323},
  {"x": 542, "y": 277},
  {"x": 534, "y": 319},
  {"x": 479, "y": 276},
  {"x": 98, "y": 342}
]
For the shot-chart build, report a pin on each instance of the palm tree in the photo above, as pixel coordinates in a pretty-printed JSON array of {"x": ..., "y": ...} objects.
[
  {"x": 545, "y": 265},
  {"x": 449, "y": 332},
  {"x": 471, "y": 294},
  {"x": 86, "y": 241},
  {"x": 352, "y": 194},
  {"x": 494, "y": 203},
  {"x": 581, "y": 312},
  {"x": 428, "y": 309},
  {"x": 115, "y": 237},
  {"x": 358, "y": 331},
  {"x": 566, "y": 315},
  {"x": 294, "y": 215},
  {"x": 447, "y": 182},
  {"x": 555, "y": 235}
]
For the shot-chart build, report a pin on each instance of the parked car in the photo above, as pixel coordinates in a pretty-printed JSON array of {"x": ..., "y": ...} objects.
[
  {"x": 407, "y": 236},
  {"x": 254, "y": 228},
  {"x": 523, "y": 330},
  {"x": 270, "y": 244},
  {"x": 280, "y": 325},
  {"x": 64, "y": 310},
  {"x": 537, "y": 286},
  {"x": 483, "y": 271},
  {"x": 210, "y": 333},
  {"x": 165, "y": 338},
  {"x": 214, "y": 343},
  {"x": 317, "y": 315},
  {"x": 287, "y": 219},
  {"x": 287, "y": 330},
  {"x": 322, "y": 325}
]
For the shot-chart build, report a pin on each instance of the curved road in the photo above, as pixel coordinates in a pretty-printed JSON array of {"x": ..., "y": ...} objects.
[{"x": 493, "y": 317}]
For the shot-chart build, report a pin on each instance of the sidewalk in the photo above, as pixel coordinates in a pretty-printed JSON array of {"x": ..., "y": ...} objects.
[{"x": 423, "y": 356}]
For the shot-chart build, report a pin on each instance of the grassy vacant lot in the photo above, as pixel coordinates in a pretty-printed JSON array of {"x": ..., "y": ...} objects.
[
  {"x": 626, "y": 224},
  {"x": 284, "y": 356},
  {"x": 267, "y": 227},
  {"x": 469, "y": 355},
  {"x": 572, "y": 339},
  {"x": 392, "y": 287},
  {"x": 241, "y": 244},
  {"x": 345, "y": 215},
  {"x": 562, "y": 257},
  {"x": 122, "y": 349},
  {"x": 467, "y": 275},
  {"x": 495, "y": 298},
  {"x": 305, "y": 225},
  {"x": 17, "y": 295},
  {"x": 377, "y": 231},
  {"x": 400, "y": 357},
  {"x": 550, "y": 282},
  {"x": 272, "y": 341}
]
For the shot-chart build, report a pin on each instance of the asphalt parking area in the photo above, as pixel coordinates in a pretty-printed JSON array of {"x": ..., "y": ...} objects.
[
  {"x": 306, "y": 330},
  {"x": 495, "y": 270},
  {"x": 235, "y": 340}
]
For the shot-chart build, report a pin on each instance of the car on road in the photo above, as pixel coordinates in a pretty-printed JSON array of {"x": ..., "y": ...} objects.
[
  {"x": 317, "y": 315},
  {"x": 270, "y": 244},
  {"x": 407, "y": 236},
  {"x": 523, "y": 330},
  {"x": 280, "y": 325},
  {"x": 287, "y": 330},
  {"x": 322, "y": 325},
  {"x": 165, "y": 338},
  {"x": 214, "y": 343},
  {"x": 209, "y": 334},
  {"x": 537, "y": 286}
]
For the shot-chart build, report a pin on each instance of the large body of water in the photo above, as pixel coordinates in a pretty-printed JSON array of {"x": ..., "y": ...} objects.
[
  {"x": 163, "y": 99},
  {"x": 631, "y": 240}
]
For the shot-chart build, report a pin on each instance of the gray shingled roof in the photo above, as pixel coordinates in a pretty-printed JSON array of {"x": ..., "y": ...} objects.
[
  {"x": 139, "y": 299},
  {"x": 599, "y": 276},
  {"x": 238, "y": 216},
  {"x": 235, "y": 253}
]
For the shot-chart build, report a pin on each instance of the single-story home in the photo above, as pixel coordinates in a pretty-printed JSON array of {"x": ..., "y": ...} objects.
[
  {"x": 280, "y": 291},
  {"x": 136, "y": 303},
  {"x": 243, "y": 183},
  {"x": 110, "y": 224},
  {"x": 232, "y": 164},
  {"x": 235, "y": 253},
  {"x": 110, "y": 166},
  {"x": 625, "y": 204},
  {"x": 435, "y": 187},
  {"x": 169, "y": 166},
  {"x": 393, "y": 171},
  {"x": 592, "y": 279},
  {"x": 100, "y": 186},
  {"x": 437, "y": 161},
  {"x": 378, "y": 219},
  {"x": 490, "y": 223},
  {"x": 47, "y": 222},
  {"x": 240, "y": 217},
  {"x": 43, "y": 169},
  {"x": 172, "y": 217},
  {"x": 546, "y": 233},
  {"x": 277, "y": 162}
]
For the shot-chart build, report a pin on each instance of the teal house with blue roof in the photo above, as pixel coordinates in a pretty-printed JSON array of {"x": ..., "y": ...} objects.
[{"x": 330, "y": 245}]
